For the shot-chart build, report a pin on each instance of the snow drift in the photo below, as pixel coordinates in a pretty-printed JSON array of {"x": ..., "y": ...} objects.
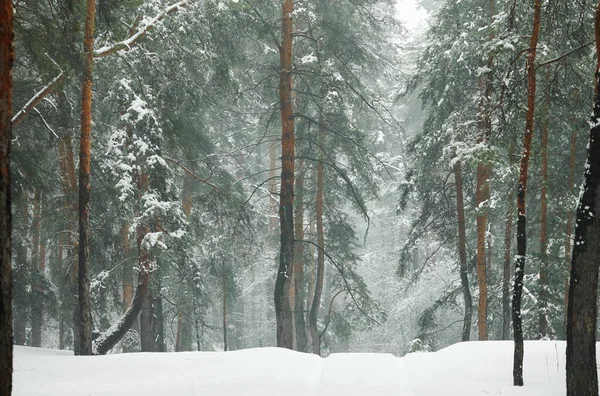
[{"x": 472, "y": 368}]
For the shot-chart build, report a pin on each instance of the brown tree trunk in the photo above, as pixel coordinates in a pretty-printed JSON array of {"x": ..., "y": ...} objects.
[
  {"x": 36, "y": 287},
  {"x": 544, "y": 286},
  {"x": 521, "y": 195},
  {"x": 462, "y": 252},
  {"x": 283, "y": 312},
  {"x": 316, "y": 302},
  {"x": 582, "y": 311},
  {"x": 6, "y": 62},
  {"x": 300, "y": 294},
  {"x": 85, "y": 313}
]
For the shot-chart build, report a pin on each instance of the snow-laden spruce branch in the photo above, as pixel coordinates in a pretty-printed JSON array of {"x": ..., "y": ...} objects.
[
  {"x": 36, "y": 99},
  {"x": 132, "y": 40}
]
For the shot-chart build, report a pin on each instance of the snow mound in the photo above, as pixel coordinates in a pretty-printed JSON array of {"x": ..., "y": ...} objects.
[{"x": 471, "y": 368}]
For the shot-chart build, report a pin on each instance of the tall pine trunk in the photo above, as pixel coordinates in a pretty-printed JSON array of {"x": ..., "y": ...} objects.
[
  {"x": 462, "y": 252},
  {"x": 85, "y": 313},
  {"x": 544, "y": 286},
  {"x": 283, "y": 312},
  {"x": 582, "y": 372},
  {"x": 483, "y": 189},
  {"x": 521, "y": 196},
  {"x": 6, "y": 62}
]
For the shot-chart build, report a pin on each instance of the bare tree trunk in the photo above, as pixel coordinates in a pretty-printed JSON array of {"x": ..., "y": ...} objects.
[
  {"x": 224, "y": 286},
  {"x": 521, "y": 195},
  {"x": 507, "y": 267},
  {"x": 286, "y": 198},
  {"x": 300, "y": 295},
  {"x": 483, "y": 191},
  {"x": 36, "y": 287},
  {"x": 85, "y": 313},
  {"x": 569, "y": 231},
  {"x": 316, "y": 302},
  {"x": 6, "y": 63},
  {"x": 544, "y": 292},
  {"x": 462, "y": 252},
  {"x": 582, "y": 311}
]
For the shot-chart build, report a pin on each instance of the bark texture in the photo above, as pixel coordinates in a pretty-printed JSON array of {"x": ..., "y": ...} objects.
[
  {"x": 521, "y": 196},
  {"x": 462, "y": 252},
  {"x": 6, "y": 63},
  {"x": 582, "y": 373},
  {"x": 85, "y": 313},
  {"x": 283, "y": 313}
]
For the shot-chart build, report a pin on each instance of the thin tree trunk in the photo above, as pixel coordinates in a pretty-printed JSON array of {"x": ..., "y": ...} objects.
[
  {"x": 316, "y": 302},
  {"x": 85, "y": 314},
  {"x": 521, "y": 195},
  {"x": 544, "y": 292},
  {"x": 273, "y": 186},
  {"x": 507, "y": 266},
  {"x": 300, "y": 295},
  {"x": 6, "y": 63},
  {"x": 147, "y": 335},
  {"x": 582, "y": 311},
  {"x": 569, "y": 231},
  {"x": 224, "y": 285},
  {"x": 286, "y": 198},
  {"x": 462, "y": 252},
  {"x": 36, "y": 288}
]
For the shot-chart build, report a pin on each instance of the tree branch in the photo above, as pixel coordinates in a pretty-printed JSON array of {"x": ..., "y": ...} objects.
[
  {"x": 132, "y": 40},
  {"x": 189, "y": 172},
  {"x": 36, "y": 99}
]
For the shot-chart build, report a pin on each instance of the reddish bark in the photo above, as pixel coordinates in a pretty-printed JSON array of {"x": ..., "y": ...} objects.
[
  {"x": 521, "y": 195},
  {"x": 286, "y": 198}
]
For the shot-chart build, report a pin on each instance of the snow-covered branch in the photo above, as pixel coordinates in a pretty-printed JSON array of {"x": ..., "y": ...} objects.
[
  {"x": 132, "y": 40},
  {"x": 36, "y": 99}
]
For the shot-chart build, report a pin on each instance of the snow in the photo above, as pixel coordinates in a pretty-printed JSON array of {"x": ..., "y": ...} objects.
[{"x": 471, "y": 368}]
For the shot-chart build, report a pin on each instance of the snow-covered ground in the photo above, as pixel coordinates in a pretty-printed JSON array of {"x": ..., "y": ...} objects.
[{"x": 474, "y": 368}]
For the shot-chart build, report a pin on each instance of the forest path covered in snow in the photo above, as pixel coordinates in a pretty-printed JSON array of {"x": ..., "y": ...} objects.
[{"x": 473, "y": 368}]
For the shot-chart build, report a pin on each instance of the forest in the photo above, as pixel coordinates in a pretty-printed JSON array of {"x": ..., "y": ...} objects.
[{"x": 330, "y": 177}]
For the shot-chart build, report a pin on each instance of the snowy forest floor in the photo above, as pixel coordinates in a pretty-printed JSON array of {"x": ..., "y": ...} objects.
[{"x": 472, "y": 368}]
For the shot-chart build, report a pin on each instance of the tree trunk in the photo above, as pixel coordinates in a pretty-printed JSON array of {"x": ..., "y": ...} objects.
[
  {"x": 569, "y": 231},
  {"x": 273, "y": 186},
  {"x": 521, "y": 195},
  {"x": 37, "y": 294},
  {"x": 147, "y": 335},
  {"x": 6, "y": 62},
  {"x": 316, "y": 302},
  {"x": 483, "y": 190},
  {"x": 300, "y": 295},
  {"x": 582, "y": 372},
  {"x": 85, "y": 313},
  {"x": 224, "y": 285},
  {"x": 507, "y": 267},
  {"x": 544, "y": 286},
  {"x": 286, "y": 198},
  {"x": 462, "y": 252}
]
